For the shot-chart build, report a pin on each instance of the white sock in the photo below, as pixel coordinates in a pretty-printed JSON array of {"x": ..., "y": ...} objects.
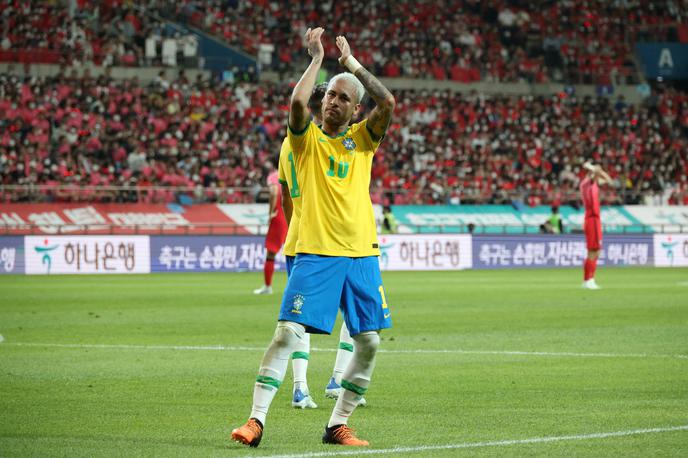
[
  {"x": 344, "y": 354},
  {"x": 274, "y": 366},
  {"x": 299, "y": 363},
  {"x": 356, "y": 377}
]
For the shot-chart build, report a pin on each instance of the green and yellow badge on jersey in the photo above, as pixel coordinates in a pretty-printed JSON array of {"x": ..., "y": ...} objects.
[{"x": 349, "y": 144}]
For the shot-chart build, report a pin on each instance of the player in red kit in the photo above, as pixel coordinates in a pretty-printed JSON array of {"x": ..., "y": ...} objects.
[
  {"x": 590, "y": 194},
  {"x": 277, "y": 231}
]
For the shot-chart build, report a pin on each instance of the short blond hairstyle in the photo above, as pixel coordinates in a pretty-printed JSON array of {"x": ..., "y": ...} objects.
[{"x": 360, "y": 90}]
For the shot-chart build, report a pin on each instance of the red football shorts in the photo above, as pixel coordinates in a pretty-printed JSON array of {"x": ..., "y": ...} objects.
[
  {"x": 593, "y": 233},
  {"x": 277, "y": 233}
]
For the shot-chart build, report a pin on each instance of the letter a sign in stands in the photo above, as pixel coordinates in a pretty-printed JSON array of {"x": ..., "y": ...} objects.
[{"x": 663, "y": 60}]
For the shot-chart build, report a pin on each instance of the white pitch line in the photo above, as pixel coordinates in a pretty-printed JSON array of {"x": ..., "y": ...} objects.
[
  {"x": 1, "y": 338},
  {"x": 534, "y": 440},
  {"x": 384, "y": 351},
  {"x": 541, "y": 353}
]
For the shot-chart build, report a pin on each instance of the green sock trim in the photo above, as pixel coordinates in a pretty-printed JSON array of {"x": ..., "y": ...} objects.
[
  {"x": 353, "y": 387},
  {"x": 300, "y": 355},
  {"x": 346, "y": 346},
  {"x": 268, "y": 381}
]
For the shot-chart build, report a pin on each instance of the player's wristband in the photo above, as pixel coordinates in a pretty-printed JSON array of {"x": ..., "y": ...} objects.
[{"x": 352, "y": 64}]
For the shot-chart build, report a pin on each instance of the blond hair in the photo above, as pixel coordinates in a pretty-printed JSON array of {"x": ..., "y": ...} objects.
[{"x": 360, "y": 90}]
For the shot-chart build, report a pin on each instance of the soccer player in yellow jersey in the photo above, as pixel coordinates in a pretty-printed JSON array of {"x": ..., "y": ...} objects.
[
  {"x": 336, "y": 265},
  {"x": 291, "y": 203}
]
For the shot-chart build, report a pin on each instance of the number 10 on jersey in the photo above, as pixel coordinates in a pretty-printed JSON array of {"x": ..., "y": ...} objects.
[{"x": 342, "y": 168}]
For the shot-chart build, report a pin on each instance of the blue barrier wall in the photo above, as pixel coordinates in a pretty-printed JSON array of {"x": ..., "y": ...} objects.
[
  {"x": 191, "y": 253},
  {"x": 503, "y": 252},
  {"x": 12, "y": 255},
  {"x": 209, "y": 254}
]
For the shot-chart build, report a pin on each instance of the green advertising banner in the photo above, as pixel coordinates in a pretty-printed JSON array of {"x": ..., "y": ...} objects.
[{"x": 498, "y": 219}]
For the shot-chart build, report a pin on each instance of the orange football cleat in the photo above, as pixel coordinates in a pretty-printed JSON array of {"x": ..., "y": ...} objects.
[
  {"x": 342, "y": 435},
  {"x": 250, "y": 434}
]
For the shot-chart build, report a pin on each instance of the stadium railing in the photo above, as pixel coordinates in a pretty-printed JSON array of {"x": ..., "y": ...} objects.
[
  {"x": 77, "y": 59},
  {"x": 259, "y": 229},
  {"x": 516, "y": 229},
  {"x": 134, "y": 229},
  {"x": 44, "y": 193}
]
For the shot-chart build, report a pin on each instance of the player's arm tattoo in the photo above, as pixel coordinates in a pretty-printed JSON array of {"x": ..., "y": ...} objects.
[{"x": 381, "y": 115}]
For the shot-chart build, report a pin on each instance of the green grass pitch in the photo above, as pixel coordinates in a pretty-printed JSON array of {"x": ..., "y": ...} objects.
[{"x": 486, "y": 363}]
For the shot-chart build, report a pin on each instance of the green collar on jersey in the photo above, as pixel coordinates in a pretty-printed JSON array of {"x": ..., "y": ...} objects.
[{"x": 336, "y": 136}]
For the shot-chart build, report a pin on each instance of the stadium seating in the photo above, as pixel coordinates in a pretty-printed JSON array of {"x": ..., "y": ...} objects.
[
  {"x": 102, "y": 32},
  {"x": 213, "y": 142},
  {"x": 514, "y": 41},
  {"x": 575, "y": 42}
]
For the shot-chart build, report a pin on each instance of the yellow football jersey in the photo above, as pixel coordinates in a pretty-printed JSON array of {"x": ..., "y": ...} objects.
[
  {"x": 333, "y": 179},
  {"x": 287, "y": 176}
]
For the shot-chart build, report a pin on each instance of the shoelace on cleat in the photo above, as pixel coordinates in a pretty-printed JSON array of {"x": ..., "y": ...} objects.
[
  {"x": 343, "y": 433},
  {"x": 254, "y": 427}
]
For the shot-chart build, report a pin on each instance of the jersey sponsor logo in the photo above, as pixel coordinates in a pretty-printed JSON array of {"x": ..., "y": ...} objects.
[
  {"x": 297, "y": 304},
  {"x": 349, "y": 144}
]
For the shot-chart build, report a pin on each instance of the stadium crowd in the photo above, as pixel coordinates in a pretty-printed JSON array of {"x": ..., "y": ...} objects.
[
  {"x": 467, "y": 41},
  {"x": 110, "y": 32},
  {"x": 464, "y": 40},
  {"x": 215, "y": 142}
]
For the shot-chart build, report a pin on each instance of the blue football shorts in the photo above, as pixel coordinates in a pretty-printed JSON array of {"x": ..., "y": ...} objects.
[{"x": 320, "y": 285}]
